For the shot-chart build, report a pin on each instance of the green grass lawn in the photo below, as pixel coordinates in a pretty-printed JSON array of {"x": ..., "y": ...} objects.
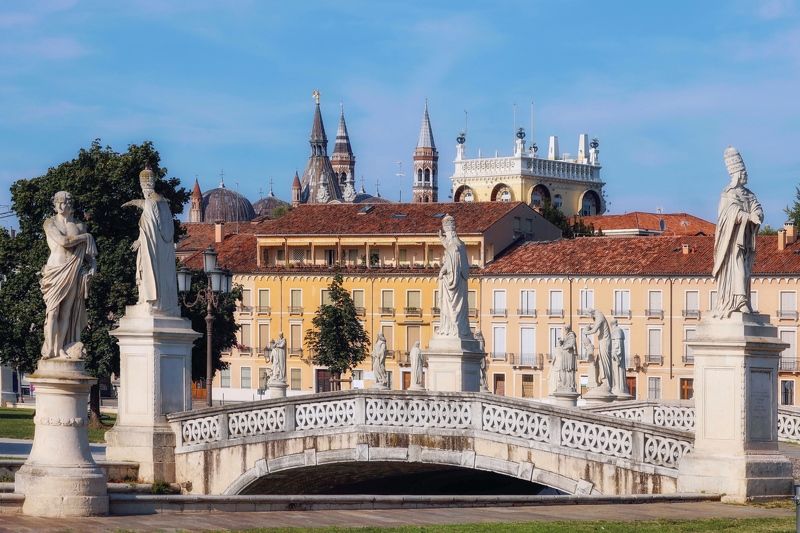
[
  {"x": 728, "y": 525},
  {"x": 18, "y": 424}
]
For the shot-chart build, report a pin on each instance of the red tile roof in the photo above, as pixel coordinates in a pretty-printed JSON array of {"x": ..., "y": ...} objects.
[
  {"x": 650, "y": 223},
  {"x": 389, "y": 218},
  {"x": 636, "y": 256},
  {"x": 236, "y": 252},
  {"x": 200, "y": 235}
]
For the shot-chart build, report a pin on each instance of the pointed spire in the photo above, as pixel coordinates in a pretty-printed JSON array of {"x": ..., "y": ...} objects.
[
  {"x": 318, "y": 128},
  {"x": 296, "y": 181},
  {"x": 342, "y": 145},
  {"x": 425, "y": 131},
  {"x": 196, "y": 189}
]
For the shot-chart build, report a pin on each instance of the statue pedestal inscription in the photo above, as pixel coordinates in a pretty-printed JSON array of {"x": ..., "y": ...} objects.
[
  {"x": 454, "y": 365},
  {"x": 60, "y": 477},
  {"x": 155, "y": 379},
  {"x": 736, "y": 437}
]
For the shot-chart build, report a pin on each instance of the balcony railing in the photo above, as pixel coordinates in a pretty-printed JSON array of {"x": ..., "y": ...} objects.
[
  {"x": 472, "y": 312},
  {"x": 498, "y": 311},
  {"x": 688, "y": 359},
  {"x": 621, "y": 313},
  {"x": 295, "y": 352},
  {"x": 584, "y": 312},
  {"x": 435, "y": 311},
  {"x": 526, "y": 311},
  {"x": 404, "y": 358},
  {"x": 245, "y": 308},
  {"x": 295, "y": 310},
  {"x": 499, "y": 356},
  {"x": 789, "y": 365},
  {"x": 529, "y": 360},
  {"x": 413, "y": 311},
  {"x": 786, "y": 314},
  {"x": 654, "y": 313},
  {"x": 556, "y": 312},
  {"x": 654, "y": 359},
  {"x": 361, "y": 311},
  {"x": 389, "y": 311},
  {"x": 691, "y": 313},
  {"x": 264, "y": 310},
  {"x": 391, "y": 354}
]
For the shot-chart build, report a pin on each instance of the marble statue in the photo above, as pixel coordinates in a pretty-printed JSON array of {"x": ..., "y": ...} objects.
[
  {"x": 594, "y": 369},
  {"x": 484, "y": 368},
  {"x": 618, "y": 359},
  {"x": 65, "y": 280},
  {"x": 603, "y": 331},
  {"x": 277, "y": 356},
  {"x": 417, "y": 364},
  {"x": 379, "y": 362},
  {"x": 268, "y": 358},
  {"x": 567, "y": 361},
  {"x": 452, "y": 281},
  {"x": 738, "y": 219},
  {"x": 155, "y": 247}
]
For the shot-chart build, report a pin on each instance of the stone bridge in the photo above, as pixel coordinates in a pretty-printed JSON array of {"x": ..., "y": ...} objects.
[{"x": 227, "y": 450}]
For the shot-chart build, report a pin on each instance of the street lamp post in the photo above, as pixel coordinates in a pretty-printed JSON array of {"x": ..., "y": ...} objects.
[{"x": 218, "y": 283}]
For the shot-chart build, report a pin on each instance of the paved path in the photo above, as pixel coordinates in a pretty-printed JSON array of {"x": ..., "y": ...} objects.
[
  {"x": 386, "y": 518},
  {"x": 20, "y": 448}
]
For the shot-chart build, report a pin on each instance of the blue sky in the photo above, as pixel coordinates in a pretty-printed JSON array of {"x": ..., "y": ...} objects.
[{"x": 665, "y": 86}]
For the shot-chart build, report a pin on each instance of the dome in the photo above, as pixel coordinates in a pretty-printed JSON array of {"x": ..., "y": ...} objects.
[
  {"x": 364, "y": 198},
  {"x": 226, "y": 205},
  {"x": 266, "y": 206}
]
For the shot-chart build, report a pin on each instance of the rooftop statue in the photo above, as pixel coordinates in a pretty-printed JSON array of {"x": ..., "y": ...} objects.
[
  {"x": 65, "y": 280},
  {"x": 453, "y": 276},
  {"x": 155, "y": 247},
  {"x": 738, "y": 219}
]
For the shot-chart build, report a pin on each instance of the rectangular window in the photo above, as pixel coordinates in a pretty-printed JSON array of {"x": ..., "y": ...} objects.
[
  {"x": 712, "y": 300},
  {"x": 691, "y": 304},
  {"x": 387, "y": 299},
  {"x": 499, "y": 342},
  {"x": 244, "y": 377},
  {"x": 323, "y": 380},
  {"x": 263, "y": 336},
  {"x": 263, "y": 301},
  {"x": 403, "y": 255},
  {"x": 280, "y": 255},
  {"x": 653, "y": 388},
  {"x": 296, "y": 297},
  {"x": 555, "y": 333},
  {"x": 587, "y": 301},
  {"x": 688, "y": 351},
  {"x": 298, "y": 254},
  {"x": 499, "y": 384},
  {"x": 325, "y": 297},
  {"x": 626, "y": 330},
  {"x": 622, "y": 302},
  {"x": 245, "y": 340},
  {"x": 527, "y": 302},
  {"x": 527, "y": 386},
  {"x": 527, "y": 345},
  {"x": 654, "y": 345},
  {"x": 556, "y": 303},
  {"x": 499, "y": 302},
  {"x": 358, "y": 298},
  {"x": 687, "y": 388},
  {"x": 330, "y": 257},
  {"x": 412, "y": 336},
  {"x": 655, "y": 303},
  {"x": 789, "y": 355},
  {"x": 295, "y": 375},
  {"x": 262, "y": 378},
  {"x": 788, "y": 303},
  {"x": 406, "y": 379},
  {"x": 225, "y": 378},
  {"x": 388, "y": 332},
  {"x": 787, "y": 392},
  {"x": 296, "y": 339},
  {"x": 413, "y": 299},
  {"x": 472, "y": 303},
  {"x": 246, "y": 301}
]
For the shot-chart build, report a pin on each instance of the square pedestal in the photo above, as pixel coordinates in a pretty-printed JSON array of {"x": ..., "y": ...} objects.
[
  {"x": 155, "y": 379},
  {"x": 736, "y": 411},
  {"x": 454, "y": 365}
]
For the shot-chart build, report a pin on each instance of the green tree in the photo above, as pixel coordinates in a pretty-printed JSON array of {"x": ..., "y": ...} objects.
[
  {"x": 337, "y": 340},
  {"x": 100, "y": 181},
  {"x": 793, "y": 212},
  {"x": 569, "y": 230},
  {"x": 766, "y": 229}
]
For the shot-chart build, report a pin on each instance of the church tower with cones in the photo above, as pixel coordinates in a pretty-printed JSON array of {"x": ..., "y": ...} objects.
[
  {"x": 319, "y": 183},
  {"x": 344, "y": 162},
  {"x": 196, "y": 205},
  {"x": 426, "y": 164}
]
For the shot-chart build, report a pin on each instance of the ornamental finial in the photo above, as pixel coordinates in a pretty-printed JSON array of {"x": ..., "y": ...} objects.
[{"x": 315, "y": 96}]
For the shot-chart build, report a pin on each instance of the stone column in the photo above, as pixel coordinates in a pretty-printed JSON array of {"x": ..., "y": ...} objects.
[
  {"x": 736, "y": 422},
  {"x": 454, "y": 364},
  {"x": 60, "y": 477},
  {"x": 155, "y": 379}
]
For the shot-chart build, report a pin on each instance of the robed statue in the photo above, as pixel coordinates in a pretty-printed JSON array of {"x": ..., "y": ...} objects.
[
  {"x": 738, "y": 219},
  {"x": 65, "y": 280},
  {"x": 379, "y": 362},
  {"x": 417, "y": 364},
  {"x": 564, "y": 363},
  {"x": 155, "y": 247},
  {"x": 452, "y": 280},
  {"x": 618, "y": 357},
  {"x": 601, "y": 328},
  {"x": 277, "y": 357}
]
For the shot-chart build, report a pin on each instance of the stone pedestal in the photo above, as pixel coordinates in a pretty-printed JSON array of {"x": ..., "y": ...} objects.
[
  {"x": 155, "y": 379},
  {"x": 623, "y": 396},
  {"x": 736, "y": 412},
  {"x": 60, "y": 478},
  {"x": 277, "y": 389},
  {"x": 599, "y": 394},
  {"x": 454, "y": 364},
  {"x": 416, "y": 387},
  {"x": 565, "y": 398}
]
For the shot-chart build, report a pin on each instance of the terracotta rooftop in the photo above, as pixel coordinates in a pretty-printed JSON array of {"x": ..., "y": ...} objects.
[
  {"x": 386, "y": 218},
  {"x": 199, "y": 235},
  {"x": 636, "y": 256},
  {"x": 236, "y": 252},
  {"x": 650, "y": 223}
]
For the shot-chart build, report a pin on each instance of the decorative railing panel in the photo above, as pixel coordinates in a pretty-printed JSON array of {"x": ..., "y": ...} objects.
[
  {"x": 788, "y": 424},
  {"x": 596, "y": 438},
  {"x": 516, "y": 422},
  {"x": 433, "y": 413},
  {"x": 634, "y": 413},
  {"x": 674, "y": 416},
  {"x": 320, "y": 415},
  {"x": 258, "y": 422},
  {"x": 664, "y": 451},
  {"x": 200, "y": 430}
]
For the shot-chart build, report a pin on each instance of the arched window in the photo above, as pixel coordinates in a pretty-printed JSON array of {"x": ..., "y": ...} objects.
[
  {"x": 539, "y": 196},
  {"x": 419, "y": 176},
  {"x": 468, "y": 196},
  {"x": 505, "y": 195},
  {"x": 427, "y": 175},
  {"x": 590, "y": 204},
  {"x": 558, "y": 201}
]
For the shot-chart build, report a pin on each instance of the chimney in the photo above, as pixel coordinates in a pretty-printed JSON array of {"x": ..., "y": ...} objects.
[
  {"x": 219, "y": 230},
  {"x": 781, "y": 239},
  {"x": 791, "y": 233},
  {"x": 685, "y": 249},
  {"x": 552, "y": 149}
]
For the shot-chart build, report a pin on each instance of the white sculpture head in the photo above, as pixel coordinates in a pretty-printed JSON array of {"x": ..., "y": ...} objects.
[
  {"x": 280, "y": 335},
  {"x": 147, "y": 180},
  {"x": 735, "y": 165},
  {"x": 449, "y": 225},
  {"x": 62, "y": 203}
]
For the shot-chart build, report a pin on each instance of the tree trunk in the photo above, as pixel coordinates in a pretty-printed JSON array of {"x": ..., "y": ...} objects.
[{"x": 95, "y": 420}]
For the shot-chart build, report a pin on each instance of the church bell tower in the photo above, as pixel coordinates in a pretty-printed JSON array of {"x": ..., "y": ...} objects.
[{"x": 426, "y": 164}]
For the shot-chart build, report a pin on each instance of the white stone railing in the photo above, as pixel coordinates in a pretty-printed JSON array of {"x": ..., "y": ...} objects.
[
  {"x": 623, "y": 435},
  {"x": 547, "y": 168}
]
